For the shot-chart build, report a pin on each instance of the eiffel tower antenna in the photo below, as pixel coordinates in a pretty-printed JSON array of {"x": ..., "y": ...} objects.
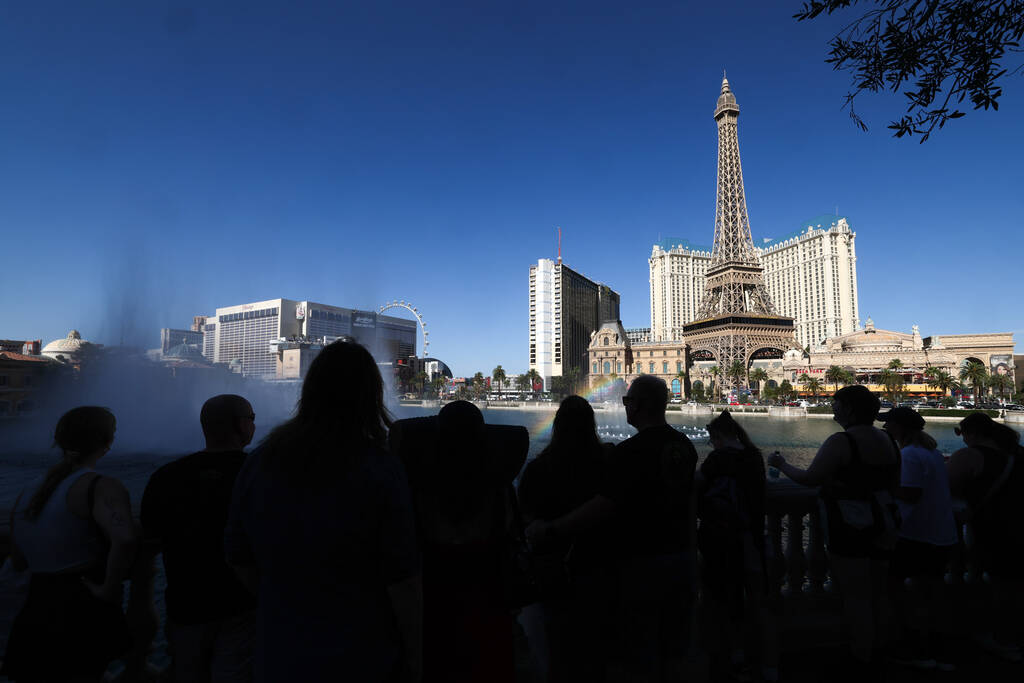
[{"x": 736, "y": 320}]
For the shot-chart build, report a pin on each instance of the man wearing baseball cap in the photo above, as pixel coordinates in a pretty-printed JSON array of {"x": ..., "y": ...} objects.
[{"x": 927, "y": 533}]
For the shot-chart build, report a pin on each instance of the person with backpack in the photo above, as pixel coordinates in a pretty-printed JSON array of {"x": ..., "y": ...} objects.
[
  {"x": 858, "y": 470},
  {"x": 989, "y": 475},
  {"x": 731, "y": 508}
]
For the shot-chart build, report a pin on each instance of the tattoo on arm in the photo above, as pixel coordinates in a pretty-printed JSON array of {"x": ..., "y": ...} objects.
[{"x": 116, "y": 518}]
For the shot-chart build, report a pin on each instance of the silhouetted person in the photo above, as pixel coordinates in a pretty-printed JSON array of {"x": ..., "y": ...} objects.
[
  {"x": 210, "y": 613},
  {"x": 927, "y": 532},
  {"x": 731, "y": 506},
  {"x": 462, "y": 486},
  {"x": 858, "y": 470},
  {"x": 566, "y": 474},
  {"x": 74, "y": 530},
  {"x": 321, "y": 526},
  {"x": 647, "y": 495},
  {"x": 989, "y": 475}
]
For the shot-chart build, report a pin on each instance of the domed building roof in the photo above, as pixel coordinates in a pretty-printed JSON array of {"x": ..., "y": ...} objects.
[
  {"x": 68, "y": 346},
  {"x": 184, "y": 352}
]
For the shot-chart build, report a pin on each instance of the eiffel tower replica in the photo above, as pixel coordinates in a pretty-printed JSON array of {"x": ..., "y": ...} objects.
[{"x": 736, "y": 320}]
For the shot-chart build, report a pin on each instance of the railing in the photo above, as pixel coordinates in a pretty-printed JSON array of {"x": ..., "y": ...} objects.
[{"x": 797, "y": 563}]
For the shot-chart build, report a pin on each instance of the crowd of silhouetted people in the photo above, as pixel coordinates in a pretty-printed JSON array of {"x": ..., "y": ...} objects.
[{"x": 347, "y": 546}]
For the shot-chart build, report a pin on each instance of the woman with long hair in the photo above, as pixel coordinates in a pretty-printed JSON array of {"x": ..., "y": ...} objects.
[
  {"x": 74, "y": 532},
  {"x": 567, "y": 474},
  {"x": 321, "y": 527},
  {"x": 731, "y": 507}
]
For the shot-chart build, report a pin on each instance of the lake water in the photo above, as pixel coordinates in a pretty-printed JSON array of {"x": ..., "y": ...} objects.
[{"x": 797, "y": 438}]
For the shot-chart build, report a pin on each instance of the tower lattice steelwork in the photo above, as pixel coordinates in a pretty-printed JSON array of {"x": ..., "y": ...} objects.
[{"x": 736, "y": 321}]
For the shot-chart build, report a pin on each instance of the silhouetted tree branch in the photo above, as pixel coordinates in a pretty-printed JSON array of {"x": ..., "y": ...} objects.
[{"x": 945, "y": 51}]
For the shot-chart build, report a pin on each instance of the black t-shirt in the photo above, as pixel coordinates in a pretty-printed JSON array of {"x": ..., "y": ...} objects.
[
  {"x": 650, "y": 478},
  {"x": 747, "y": 468},
  {"x": 185, "y": 507},
  {"x": 555, "y": 484}
]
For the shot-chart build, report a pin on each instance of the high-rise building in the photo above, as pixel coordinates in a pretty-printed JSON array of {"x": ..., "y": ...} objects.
[
  {"x": 242, "y": 335},
  {"x": 677, "y": 285},
  {"x": 810, "y": 275},
  {"x": 565, "y": 309}
]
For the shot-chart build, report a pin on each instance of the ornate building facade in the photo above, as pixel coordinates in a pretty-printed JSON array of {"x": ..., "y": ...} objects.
[{"x": 866, "y": 353}]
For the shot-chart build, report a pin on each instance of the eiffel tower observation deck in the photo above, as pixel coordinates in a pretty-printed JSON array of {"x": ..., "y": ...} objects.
[{"x": 736, "y": 321}]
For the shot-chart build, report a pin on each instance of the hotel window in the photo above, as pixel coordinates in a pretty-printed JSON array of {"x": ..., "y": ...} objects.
[
  {"x": 595, "y": 369},
  {"x": 651, "y": 367},
  {"x": 607, "y": 368},
  {"x": 664, "y": 368}
]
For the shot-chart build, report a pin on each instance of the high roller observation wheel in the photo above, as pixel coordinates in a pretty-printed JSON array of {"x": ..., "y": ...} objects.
[{"x": 419, "y": 318}]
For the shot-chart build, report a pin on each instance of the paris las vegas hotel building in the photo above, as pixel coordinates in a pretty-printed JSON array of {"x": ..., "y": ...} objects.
[{"x": 811, "y": 276}]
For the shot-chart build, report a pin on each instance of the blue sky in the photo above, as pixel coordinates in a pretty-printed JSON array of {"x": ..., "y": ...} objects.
[{"x": 161, "y": 159}]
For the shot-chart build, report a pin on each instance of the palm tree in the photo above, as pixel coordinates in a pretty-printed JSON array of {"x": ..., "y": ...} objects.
[
  {"x": 737, "y": 372},
  {"x": 836, "y": 375},
  {"x": 532, "y": 378},
  {"x": 813, "y": 385},
  {"x": 1001, "y": 382},
  {"x": 938, "y": 378},
  {"x": 498, "y": 375},
  {"x": 572, "y": 379},
  {"x": 421, "y": 379},
  {"x": 478, "y": 384},
  {"x": 438, "y": 383},
  {"x": 715, "y": 372},
  {"x": 785, "y": 390},
  {"x": 893, "y": 383},
  {"x": 758, "y": 375},
  {"x": 522, "y": 381},
  {"x": 975, "y": 373}
]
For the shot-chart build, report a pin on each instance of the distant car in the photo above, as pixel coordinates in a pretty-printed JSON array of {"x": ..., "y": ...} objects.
[
  {"x": 1014, "y": 406},
  {"x": 887, "y": 405},
  {"x": 676, "y": 400}
]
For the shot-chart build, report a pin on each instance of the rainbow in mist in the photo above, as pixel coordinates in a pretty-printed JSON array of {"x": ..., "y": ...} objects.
[{"x": 544, "y": 429}]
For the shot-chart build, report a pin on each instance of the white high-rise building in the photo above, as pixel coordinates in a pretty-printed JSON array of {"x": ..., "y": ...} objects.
[
  {"x": 677, "y": 286},
  {"x": 811, "y": 276},
  {"x": 242, "y": 335},
  {"x": 565, "y": 309}
]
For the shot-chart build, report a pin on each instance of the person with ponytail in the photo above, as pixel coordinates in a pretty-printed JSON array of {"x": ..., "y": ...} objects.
[{"x": 73, "y": 530}]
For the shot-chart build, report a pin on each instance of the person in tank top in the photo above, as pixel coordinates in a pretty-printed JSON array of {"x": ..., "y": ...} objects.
[
  {"x": 859, "y": 464},
  {"x": 73, "y": 530}
]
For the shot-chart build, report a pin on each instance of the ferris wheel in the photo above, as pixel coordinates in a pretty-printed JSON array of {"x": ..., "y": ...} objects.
[{"x": 419, "y": 318}]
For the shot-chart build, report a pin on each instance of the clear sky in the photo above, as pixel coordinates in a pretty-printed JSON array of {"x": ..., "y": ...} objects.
[{"x": 160, "y": 159}]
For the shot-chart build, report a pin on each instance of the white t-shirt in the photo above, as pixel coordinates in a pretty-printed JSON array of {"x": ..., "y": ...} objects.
[{"x": 930, "y": 520}]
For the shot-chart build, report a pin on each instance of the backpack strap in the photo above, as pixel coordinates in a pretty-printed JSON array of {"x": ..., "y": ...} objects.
[
  {"x": 854, "y": 448},
  {"x": 91, "y": 493},
  {"x": 998, "y": 483}
]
